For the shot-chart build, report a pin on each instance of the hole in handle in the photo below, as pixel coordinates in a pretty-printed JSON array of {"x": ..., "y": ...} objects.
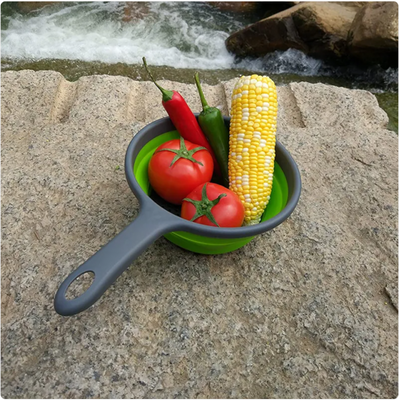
[{"x": 79, "y": 285}]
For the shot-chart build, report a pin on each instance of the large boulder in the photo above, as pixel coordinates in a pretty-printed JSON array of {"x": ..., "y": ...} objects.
[
  {"x": 324, "y": 28},
  {"x": 318, "y": 29},
  {"x": 265, "y": 36},
  {"x": 374, "y": 33},
  {"x": 333, "y": 31},
  {"x": 307, "y": 310}
]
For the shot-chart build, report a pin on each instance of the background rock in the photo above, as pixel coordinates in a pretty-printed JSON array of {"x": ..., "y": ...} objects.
[
  {"x": 374, "y": 33},
  {"x": 29, "y": 6},
  {"x": 323, "y": 29},
  {"x": 277, "y": 32},
  {"x": 264, "y": 8},
  {"x": 236, "y": 6},
  {"x": 302, "y": 311},
  {"x": 318, "y": 29},
  {"x": 135, "y": 11}
]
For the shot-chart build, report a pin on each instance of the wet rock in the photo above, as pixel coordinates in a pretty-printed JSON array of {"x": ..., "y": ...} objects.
[
  {"x": 318, "y": 29},
  {"x": 263, "y": 9},
  {"x": 374, "y": 34},
  {"x": 323, "y": 30},
  {"x": 236, "y": 6},
  {"x": 265, "y": 36},
  {"x": 29, "y": 6},
  {"x": 134, "y": 11}
]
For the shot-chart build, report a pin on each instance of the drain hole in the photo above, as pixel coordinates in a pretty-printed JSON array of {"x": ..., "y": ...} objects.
[{"x": 79, "y": 285}]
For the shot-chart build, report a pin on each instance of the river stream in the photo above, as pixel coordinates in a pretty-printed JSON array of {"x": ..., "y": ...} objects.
[{"x": 177, "y": 38}]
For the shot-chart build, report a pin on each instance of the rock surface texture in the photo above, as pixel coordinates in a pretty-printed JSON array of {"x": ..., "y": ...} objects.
[
  {"x": 365, "y": 31},
  {"x": 236, "y": 7},
  {"x": 308, "y": 310},
  {"x": 375, "y": 32},
  {"x": 318, "y": 29}
]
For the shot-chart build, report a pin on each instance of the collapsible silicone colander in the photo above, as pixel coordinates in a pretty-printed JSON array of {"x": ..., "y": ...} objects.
[{"x": 156, "y": 218}]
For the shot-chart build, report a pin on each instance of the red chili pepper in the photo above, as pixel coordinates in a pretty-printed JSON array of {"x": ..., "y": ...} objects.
[{"x": 182, "y": 117}]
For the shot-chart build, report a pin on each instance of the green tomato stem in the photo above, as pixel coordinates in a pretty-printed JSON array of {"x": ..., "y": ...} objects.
[
  {"x": 183, "y": 152},
  {"x": 204, "y": 206}
]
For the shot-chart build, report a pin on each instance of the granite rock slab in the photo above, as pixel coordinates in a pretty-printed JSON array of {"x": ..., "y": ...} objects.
[{"x": 307, "y": 310}]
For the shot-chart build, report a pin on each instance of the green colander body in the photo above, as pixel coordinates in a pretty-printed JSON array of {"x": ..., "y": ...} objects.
[{"x": 204, "y": 244}]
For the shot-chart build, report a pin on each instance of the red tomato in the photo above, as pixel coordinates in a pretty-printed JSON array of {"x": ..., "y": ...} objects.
[
  {"x": 174, "y": 180},
  {"x": 210, "y": 202}
]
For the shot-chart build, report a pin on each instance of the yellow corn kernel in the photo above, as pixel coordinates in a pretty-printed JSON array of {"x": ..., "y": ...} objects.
[{"x": 252, "y": 142}]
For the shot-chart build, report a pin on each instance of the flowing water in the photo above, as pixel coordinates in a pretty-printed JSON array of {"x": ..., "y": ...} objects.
[{"x": 176, "y": 38}]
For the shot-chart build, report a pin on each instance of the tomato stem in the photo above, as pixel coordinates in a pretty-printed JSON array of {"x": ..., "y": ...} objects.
[
  {"x": 204, "y": 206},
  {"x": 183, "y": 152}
]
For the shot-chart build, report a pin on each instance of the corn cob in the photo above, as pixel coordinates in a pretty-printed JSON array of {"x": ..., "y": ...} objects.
[{"x": 252, "y": 143}]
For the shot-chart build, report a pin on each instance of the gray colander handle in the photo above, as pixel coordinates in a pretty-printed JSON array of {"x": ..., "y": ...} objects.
[{"x": 116, "y": 256}]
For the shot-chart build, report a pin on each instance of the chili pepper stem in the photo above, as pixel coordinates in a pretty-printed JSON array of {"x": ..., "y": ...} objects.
[
  {"x": 167, "y": 94},
  {"x": 202, "y": 98}
]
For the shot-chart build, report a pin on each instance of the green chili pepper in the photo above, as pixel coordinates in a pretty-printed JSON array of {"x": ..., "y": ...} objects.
[{"x": 213, "y": 126}]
